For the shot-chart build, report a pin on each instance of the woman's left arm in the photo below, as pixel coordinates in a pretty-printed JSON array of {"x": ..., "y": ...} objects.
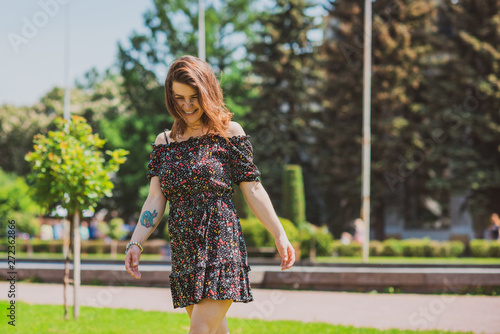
[{"x": 259, "y": 202}]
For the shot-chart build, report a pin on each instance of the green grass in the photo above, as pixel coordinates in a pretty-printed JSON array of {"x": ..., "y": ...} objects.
[
  {"x": 410, "y": 260},
  {"x": 49, "y": 319}
]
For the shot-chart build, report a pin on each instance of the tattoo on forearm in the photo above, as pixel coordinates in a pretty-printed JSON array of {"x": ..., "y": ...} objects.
[{"x": 147, "y": 218}]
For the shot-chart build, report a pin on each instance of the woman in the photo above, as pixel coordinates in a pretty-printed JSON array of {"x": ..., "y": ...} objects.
[{"x": 193, "y": 166}]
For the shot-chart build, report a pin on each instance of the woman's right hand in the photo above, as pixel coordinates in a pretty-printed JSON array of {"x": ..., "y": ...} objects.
[{"x": 132, "y": 261}]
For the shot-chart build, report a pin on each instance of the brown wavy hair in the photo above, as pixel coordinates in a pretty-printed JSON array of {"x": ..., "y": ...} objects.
[{"x": 197, "y": 74}]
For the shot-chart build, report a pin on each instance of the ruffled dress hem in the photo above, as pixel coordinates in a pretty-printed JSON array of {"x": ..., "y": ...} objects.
[{"x": 223, "y": 281}]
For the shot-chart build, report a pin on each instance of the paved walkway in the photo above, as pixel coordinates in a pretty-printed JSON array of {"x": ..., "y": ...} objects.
[{"x": 479, "y": 314}]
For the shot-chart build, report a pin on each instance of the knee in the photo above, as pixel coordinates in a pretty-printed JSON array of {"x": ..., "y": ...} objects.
[{"x": 201, "y": 329}]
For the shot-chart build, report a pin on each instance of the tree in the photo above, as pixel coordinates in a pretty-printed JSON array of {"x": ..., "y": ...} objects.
[
  {"x": 16, "y": 204},
  {"x": 473, "y": 119},
  {"x": 18, "y": 125},
  {"x": 68, "y": 169},
  {"x": 404, "y": 94},
  {"x": 284, "y": 90}
]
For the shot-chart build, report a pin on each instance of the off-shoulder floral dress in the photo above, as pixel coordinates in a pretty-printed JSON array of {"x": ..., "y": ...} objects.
[{"x": 209, "y": 257}]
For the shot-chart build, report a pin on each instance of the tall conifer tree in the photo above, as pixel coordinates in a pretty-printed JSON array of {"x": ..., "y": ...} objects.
[
  {"x": 403, "y": 50},
  {"x": 473, "y": 121},
  {"x": 284, "y": 89}
]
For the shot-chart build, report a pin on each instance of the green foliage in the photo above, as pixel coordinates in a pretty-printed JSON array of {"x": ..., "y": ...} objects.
[
  {"x": 16, "y": 204},
  {"x": 18, "y": 125},
  {"x": 431, "y": 248},
  {"x": 116, "y": 230},
  {"x": 352, "y": 249},
  {"x": 417, "y": 247},
  {"x": 320, "y": 237},
  {"x": 284, "y": 90},
  {"x": 68, "y": 167},
  {"x": 484, "y": 248},
  {"x": 103, "y": 228},
  {"x": 294, "y": 202},
  {"x": 407, "y": 248},
  {"x": 473, "y": 120},
  {"x": 392, "y": 247},
  {"x": 256, "y": 235}
]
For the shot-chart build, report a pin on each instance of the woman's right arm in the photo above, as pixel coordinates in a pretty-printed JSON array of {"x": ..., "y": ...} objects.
[{"x": 151, "y": 214}]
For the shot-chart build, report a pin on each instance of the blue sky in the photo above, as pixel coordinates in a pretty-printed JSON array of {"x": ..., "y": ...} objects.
[
  {"x": 29, "y": 70},
  {"x": 38, "y": 65}
]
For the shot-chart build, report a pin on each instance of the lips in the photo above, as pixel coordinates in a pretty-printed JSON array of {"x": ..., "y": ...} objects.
[{"x": 191, "y": 112}]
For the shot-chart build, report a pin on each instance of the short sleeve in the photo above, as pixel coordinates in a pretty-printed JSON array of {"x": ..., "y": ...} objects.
[
  {"x": 242, "y": 167},
  {"x": 154, "y": 162}
]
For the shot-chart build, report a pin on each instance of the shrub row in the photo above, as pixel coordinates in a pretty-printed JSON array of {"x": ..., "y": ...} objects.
[
  {"x": 87, "y": 246},
  {"x": 256, "y": 235},
  {"x": 484, "y": 248},
  {"x": 408, "y": 247}
]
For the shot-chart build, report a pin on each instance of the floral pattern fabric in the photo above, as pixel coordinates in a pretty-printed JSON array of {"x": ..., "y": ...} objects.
[{"x": 209, "y": 257}]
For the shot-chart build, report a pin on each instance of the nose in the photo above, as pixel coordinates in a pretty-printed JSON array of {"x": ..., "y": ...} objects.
[{"x": 186, "y": 104}]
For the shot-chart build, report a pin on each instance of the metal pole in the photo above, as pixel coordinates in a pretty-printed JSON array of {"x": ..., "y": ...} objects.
[
  {"x": 201, "y": 29},
  {"x": 367, "y": 65},
  {"x": 67, "y": 75}
]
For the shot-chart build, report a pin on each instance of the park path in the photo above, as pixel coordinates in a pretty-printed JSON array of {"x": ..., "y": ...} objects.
[{"x": 478, "y": 314}]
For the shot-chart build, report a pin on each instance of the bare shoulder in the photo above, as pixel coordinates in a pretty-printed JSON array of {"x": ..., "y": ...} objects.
[
  {"x": 160, "y": 139},
  {"x": 235, "y": 129}
]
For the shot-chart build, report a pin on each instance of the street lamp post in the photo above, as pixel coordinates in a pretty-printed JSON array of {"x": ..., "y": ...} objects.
[
  {"x": 201, "y": 29},
  {"x": 67, "y": 75},
  {"x": 367, "y": 65}
]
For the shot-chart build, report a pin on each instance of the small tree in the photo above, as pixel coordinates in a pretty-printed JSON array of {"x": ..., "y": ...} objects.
[
  {"x": 294, "y": 203},
  {"x": 68, "y": 169}
]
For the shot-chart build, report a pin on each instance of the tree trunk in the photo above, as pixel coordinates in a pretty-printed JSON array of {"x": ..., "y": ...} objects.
[
  {"x": 76, "y": 264},
  {"x": 67, "y": 226}
]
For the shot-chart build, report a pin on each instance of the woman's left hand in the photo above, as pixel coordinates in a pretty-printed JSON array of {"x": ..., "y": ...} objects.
[{"x": 287, "y": 252}]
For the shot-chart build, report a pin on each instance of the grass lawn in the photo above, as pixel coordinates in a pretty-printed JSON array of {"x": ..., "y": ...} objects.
[{"x": 49, "y": 319}]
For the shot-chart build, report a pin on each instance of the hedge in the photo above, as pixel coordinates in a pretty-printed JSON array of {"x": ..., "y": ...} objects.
[
  {"x": 408, "y": 248},
  {"x": 256, "y": 235},
  {"x": 485, "y": 248},
  {"x": 152, "y": 246}
]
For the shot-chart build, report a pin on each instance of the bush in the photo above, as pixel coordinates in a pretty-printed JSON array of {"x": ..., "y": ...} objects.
[
  {"x": 352, "y": 249},
  {"x": 419, "y": 247},
  {"x": 479, "y": 248},
  {"x": 392, "y": 247},
  {"x": 323, "y": 240},
  {"x": 116, "y": 229},
  {"x": 494, "y": 250},
  {"x": 256, "y": 234},
  {"x": 457, "y": 248},
  {"x": 16, "y": 204},
  {"x": 485, "y": 248},
  {"x": 93, "y": 246},
  {"x": 375, "y": 248}
]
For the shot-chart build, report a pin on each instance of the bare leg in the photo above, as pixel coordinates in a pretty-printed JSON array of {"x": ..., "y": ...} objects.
[{"x": 209, "y": 316}]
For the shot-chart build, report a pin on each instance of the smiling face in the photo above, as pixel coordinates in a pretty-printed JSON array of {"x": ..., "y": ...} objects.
[{"x": 186, "y": 98}]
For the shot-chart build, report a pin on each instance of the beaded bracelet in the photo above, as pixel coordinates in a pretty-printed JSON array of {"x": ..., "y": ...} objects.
[{"x": 133, "y": 243}]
